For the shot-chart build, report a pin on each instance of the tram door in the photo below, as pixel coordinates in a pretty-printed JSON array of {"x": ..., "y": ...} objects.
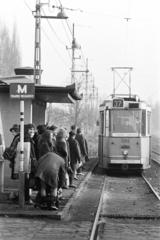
[
  {"x": 104, "y": 138},
  {"x": 145, "y": 138},
  {"x": 100, "y": 140}
]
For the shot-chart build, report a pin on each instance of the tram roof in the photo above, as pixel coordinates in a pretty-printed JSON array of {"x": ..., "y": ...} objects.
[
  {"x": 45, "y": 93},
  {"x": 132, "y": 102}
]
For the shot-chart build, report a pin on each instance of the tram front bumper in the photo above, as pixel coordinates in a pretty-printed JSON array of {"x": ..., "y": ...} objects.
[{"x": 125, "y": 161}]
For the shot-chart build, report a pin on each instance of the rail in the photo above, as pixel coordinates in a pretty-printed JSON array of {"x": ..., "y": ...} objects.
[
  {"x": 155, "y": 156},
  {"x": 95, "y": 223},
  {"x": 150, "y": 186}
]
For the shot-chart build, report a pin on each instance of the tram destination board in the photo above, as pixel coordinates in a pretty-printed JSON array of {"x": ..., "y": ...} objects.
[
  {"x": 118, "y": 103},
  {"x": 22, "y": 90}
]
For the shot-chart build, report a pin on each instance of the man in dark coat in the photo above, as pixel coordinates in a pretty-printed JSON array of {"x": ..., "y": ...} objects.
[{"x": 75, "y": 154}]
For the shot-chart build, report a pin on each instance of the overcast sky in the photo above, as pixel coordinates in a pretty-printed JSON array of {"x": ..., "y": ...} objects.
[{"x": 107, "y": 39}]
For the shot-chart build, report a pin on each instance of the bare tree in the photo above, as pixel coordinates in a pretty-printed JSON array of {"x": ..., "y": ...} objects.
[{"x": 9, "y": 51}]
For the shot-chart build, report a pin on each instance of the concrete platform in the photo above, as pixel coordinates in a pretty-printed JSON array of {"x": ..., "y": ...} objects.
[{"x": 9, "y": 208}]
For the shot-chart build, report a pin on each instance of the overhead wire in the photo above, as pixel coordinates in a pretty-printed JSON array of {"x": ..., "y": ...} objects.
[
  {"x": 28, "y": 7},
  {"x": 69, "y": 28},
  {"x": 51, "y": 27},
  {"x": 55, "y": 49}
]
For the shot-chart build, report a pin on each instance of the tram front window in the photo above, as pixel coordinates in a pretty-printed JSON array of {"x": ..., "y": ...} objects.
[{"x": 125, "y": 121}]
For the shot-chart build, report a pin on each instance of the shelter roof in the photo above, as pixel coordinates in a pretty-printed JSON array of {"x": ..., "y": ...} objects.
[{"x": 51, "y": 94}]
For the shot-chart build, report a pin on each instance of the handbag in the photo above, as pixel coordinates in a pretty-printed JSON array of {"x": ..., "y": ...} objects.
[{"x": 9, "y": 154}]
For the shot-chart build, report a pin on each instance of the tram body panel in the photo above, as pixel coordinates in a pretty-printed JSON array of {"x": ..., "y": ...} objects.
[
  {"x": 145, "y": 151},
  {"x": 125, "y": 150}
]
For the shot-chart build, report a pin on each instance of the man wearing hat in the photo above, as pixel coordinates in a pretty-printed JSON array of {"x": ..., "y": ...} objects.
[{"x": 15, "y": 129}]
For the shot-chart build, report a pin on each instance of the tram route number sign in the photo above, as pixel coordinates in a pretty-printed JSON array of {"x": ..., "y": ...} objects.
[
  {"x": 118, "y": 103},
  {"x": 22, "y": 90}
]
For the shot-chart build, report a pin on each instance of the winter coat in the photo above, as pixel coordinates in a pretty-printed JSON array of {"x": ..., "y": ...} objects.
[
  {"x": 63, "y": 150},
  {"x": 51, "y": 170},
  {"x": 75, "y": 154},
  {"x": 83, "y": 144}
]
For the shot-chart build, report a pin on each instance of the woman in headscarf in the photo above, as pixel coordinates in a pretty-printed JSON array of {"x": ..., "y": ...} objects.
[{"x": 29, "y": 132}]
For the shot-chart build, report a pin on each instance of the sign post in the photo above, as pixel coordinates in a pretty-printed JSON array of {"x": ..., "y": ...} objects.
[
  {"x": 21, "y": 160},
  {"x": 22, "y": 91}
]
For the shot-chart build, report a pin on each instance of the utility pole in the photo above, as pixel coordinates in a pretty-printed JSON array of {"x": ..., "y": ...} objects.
[
  {"x": 37, "y": 50},
  {"x": 86, "y": 82},
  {"x": 73, "y": 57}
]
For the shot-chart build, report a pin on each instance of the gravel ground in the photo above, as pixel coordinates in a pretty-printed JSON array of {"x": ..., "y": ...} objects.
[{"x": 153, "y": 176}]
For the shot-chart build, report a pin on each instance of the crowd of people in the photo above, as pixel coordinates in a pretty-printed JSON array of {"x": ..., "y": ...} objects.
[{"x": 57, "y": 157}]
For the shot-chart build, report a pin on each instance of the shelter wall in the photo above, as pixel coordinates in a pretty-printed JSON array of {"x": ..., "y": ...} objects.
[
  {"x": 39, "y": 109},
  {"x": 10, "y": 114}
]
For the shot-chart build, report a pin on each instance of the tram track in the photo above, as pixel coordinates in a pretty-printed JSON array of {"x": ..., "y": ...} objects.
[
  {"x": 97, "y": 230},
  {"x": 105, "y": 216},
  {"x": 155, "y": 156},
  {"x": 151, "y": 187},
  {"x": 97, "y": 216}
]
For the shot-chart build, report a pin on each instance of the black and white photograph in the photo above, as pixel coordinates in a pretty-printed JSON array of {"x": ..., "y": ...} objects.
[{"x": 79, "y": 120}]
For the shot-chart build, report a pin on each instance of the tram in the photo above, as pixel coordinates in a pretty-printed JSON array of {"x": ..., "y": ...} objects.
[
  {"x": 124, "y": 137},
  {"x": 124, "y": 134}
]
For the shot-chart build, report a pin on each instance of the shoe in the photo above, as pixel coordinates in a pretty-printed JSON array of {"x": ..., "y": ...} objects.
[
  {"x": 53, "y": 207},
  {"x": 53, "y": 203},
  {"x": 40, "y": 201},
  {"x": 72, "y": 186}
]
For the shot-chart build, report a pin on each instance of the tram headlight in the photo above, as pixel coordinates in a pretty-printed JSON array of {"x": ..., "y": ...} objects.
[{"x": 125, "y": 153}]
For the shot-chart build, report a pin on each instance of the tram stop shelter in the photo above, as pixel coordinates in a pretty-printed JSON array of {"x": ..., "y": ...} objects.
[{"x": 34, "y": 109}]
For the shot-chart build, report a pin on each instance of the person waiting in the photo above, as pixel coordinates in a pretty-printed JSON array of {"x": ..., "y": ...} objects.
[{"x": 75, "y": 155}]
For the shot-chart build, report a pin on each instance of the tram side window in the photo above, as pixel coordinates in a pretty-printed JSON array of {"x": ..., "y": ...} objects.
[
  {"x": 101, "y": 123},
  {"x": 143, "y": 125},
  {"x": 149, "y": 122},
  {"x": 107, "y": 123}
]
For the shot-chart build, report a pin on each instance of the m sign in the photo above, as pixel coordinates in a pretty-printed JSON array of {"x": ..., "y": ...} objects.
[{"x": 22, "y": 90}]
